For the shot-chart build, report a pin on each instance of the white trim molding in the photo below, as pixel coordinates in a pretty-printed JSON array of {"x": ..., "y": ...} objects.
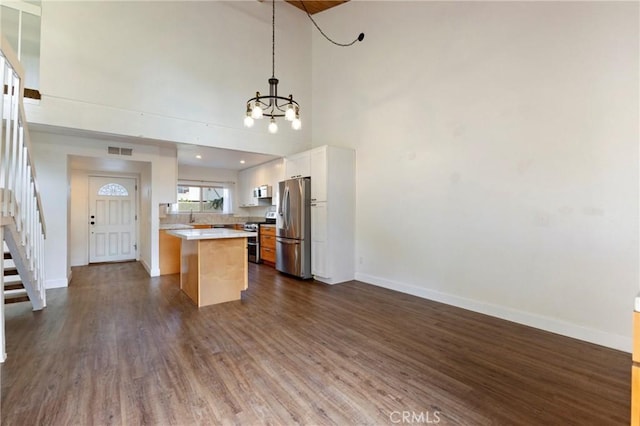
[
  {"x": 59, "y": 283},
  {"x": 614, "y": 341}
]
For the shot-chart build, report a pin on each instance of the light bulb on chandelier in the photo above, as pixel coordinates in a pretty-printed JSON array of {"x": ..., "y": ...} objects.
[{"x": 273, "y": 126}]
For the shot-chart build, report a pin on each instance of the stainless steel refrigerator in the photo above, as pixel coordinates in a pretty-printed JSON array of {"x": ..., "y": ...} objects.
[{"x": 293, "y": 228}]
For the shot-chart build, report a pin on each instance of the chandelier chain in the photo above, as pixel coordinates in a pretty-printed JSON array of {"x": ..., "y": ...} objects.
[
  {"x": 273, "y": 38},
  {"x": 359, "y": 38}
]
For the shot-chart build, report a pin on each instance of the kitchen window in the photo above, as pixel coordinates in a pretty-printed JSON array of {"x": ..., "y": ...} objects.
[{"x": 204, "y": 198}]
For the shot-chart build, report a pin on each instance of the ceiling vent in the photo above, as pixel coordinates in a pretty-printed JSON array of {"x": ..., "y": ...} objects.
[{"x": 120, "y": 151}]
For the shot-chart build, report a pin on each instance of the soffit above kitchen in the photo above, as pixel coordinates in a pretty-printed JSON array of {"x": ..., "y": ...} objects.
[{"x": 219, "y": 158}]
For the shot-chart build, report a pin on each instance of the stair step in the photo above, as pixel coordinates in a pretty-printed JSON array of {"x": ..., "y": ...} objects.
[
  {"x": 7, "y": 255},
  {"x": 12, "y": 279},
  {"x": 11, "y": 271},
  {"x": 12, "y": 294},
  {"x": 16, "y": 300},
  {"x": 14, "y": 286}
]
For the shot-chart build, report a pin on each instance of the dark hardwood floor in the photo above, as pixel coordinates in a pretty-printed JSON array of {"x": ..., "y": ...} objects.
[{"x": 120, "y": 348}]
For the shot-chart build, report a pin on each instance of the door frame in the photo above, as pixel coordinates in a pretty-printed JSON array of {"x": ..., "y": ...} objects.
[{"x": 136, "y": 198}]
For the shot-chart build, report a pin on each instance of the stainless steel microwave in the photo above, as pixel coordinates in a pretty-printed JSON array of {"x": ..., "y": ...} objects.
[{"x": 263, "y": 191}]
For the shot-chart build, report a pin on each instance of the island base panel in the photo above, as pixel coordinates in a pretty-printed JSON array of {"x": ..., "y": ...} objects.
[
  {"x": 189, "y": 270},
  {"x": 214, "y": 271},
  {"x": 223, "y": 270}
]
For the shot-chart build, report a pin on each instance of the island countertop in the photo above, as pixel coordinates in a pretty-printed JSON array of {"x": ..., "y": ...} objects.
[{"x": 210, "y": 234}]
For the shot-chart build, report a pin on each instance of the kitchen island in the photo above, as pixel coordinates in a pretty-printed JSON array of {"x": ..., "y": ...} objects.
[{"x": 213, "y": 264}]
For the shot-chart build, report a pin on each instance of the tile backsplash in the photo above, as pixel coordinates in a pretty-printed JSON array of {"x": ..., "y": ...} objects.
[{"x": 208, "y": 218}]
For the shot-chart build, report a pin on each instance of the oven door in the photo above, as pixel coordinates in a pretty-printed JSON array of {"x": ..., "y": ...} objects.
[{"x": 253, "y": 249}]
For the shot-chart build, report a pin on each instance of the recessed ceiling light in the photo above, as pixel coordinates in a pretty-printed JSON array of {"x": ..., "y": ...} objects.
[
  {"x": 241, "y": 161},
  {"x": 198, "y": 156}
]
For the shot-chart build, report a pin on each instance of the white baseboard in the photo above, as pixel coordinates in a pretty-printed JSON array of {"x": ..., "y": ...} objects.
[
  {"x": 614, "y": 341},
  {"x": 56, "y": 283},
  {"x": 151, "y": 272}
]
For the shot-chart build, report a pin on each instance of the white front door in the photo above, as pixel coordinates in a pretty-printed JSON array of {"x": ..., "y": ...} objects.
[{"x": 112, "y": 219}]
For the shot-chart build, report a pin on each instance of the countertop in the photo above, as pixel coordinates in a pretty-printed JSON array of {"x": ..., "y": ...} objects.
[
  {"x": 171, "y": 226},
  {"x": 211, "y": 234}
]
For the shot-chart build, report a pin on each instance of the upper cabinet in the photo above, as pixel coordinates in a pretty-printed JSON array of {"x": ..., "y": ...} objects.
[
  {"x": 265, "y": 174},
  {"x": 319, "y": 174},
  {"x": 297, "y": 165},
  {"x": 275, "y": 174},
  {"x": 245, "y": 188}
]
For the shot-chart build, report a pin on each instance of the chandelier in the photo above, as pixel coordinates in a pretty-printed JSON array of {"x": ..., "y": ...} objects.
[{"x": 272, "y": 105}]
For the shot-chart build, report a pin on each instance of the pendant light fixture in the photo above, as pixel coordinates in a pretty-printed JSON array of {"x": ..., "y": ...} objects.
[{"x": 273, "y": 106}]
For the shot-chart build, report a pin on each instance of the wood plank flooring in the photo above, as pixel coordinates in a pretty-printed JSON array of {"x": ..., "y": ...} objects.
[{"x": 120, "y": 348}]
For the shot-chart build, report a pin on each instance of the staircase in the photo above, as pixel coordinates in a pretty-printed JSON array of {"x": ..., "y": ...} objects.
[
  {"x": 14, "y": 291},
  {"x": 22, "y": 226}
]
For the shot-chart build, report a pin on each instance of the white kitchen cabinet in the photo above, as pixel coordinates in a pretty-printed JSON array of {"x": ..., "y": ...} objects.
[
  {"x": 319, "y": 264},
  {"x": 333, "y": 214},
  {"x": 275, "y": 175},
  {"x": 319, "y": 174},
  {"x": 246, "y": 183},
  {"x": 297, "y": 165},
  {"x": 264, "y": 174}
]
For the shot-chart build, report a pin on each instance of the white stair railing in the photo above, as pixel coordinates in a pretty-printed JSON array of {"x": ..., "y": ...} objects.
[{"x": 21, "y": 211}]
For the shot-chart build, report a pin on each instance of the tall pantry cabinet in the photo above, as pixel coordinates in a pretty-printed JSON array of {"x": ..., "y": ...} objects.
[{"x": 332, "y": 214}]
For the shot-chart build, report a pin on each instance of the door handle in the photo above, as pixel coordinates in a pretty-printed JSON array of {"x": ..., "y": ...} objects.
[{"x": 285, "y": 241}]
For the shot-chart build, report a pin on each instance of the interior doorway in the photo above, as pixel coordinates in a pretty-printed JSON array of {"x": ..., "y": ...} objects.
[{"x": 112, "y": 219}]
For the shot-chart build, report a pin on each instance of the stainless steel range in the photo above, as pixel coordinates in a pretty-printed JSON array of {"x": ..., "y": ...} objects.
[{"x": 253, "y": 243}]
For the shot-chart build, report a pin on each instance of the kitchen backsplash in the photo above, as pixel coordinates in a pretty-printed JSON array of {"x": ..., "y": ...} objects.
[{"x": 216, "y": 218}]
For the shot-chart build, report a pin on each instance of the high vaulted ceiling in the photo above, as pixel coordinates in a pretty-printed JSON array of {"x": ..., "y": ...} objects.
[{"x": 315, "y": 6}]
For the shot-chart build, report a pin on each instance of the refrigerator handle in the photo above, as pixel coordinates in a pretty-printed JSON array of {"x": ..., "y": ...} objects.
[
  {"x": 280, "y": 205},
  {"x": 287, "y": 207},
  {"x": 287, "y": 241}
]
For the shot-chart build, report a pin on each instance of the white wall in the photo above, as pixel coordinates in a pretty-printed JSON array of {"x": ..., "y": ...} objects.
[
  {"x": 209, "y": 174},
  {"x": 53, "y": 182},
  {"x": 78, "y": 214},
  {"x": 51, "y": 157},
  {"x": 149, "y": 226},
  {"x": 497, "y": 154},
  {"x": 177, "y": 71}
]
